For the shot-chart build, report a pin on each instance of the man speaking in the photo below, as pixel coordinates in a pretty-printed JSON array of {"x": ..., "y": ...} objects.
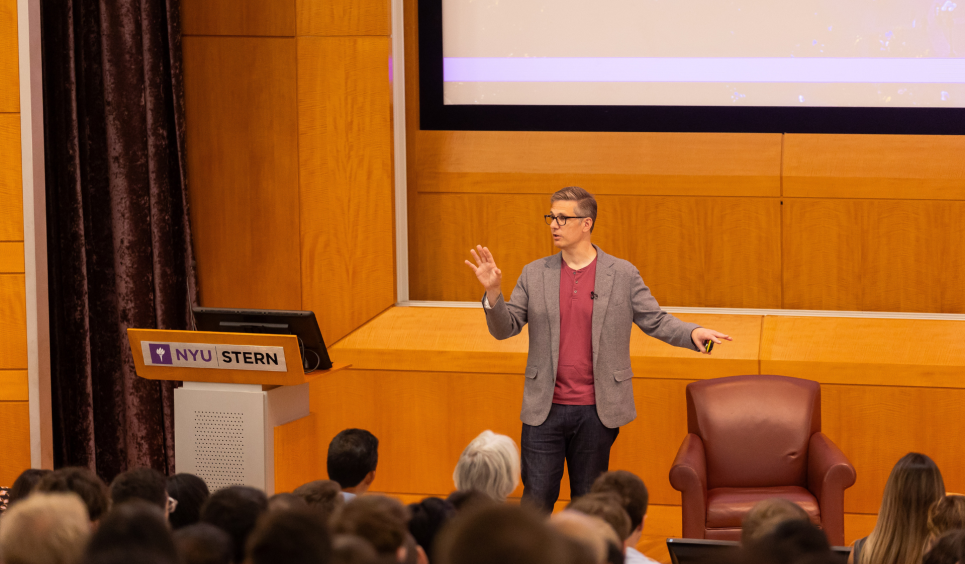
[{"x": 580, "y": 305}]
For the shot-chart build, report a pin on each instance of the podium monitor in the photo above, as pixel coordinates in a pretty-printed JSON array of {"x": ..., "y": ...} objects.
[{"x": 302, "y": 324}]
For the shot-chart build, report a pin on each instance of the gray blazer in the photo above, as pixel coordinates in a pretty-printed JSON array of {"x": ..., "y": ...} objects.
[{"x": 622, "y": 300}]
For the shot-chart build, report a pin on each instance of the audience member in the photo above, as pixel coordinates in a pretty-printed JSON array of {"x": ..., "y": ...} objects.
[
  {"x": 635, "y": 499},
  {"x": 203, "y": 543},
  {"x": 946, "y": 514},
  {"x": 353, "y": 456},
  {"x": 235, "y": 510},
  {"x": 901, "y": 531},
  {"x": 414, "y": 554},
  {"x": 190, "y": 492},
  {"x": 594, "y": 533},
  {"x": 136, "y": 529},
  {"x": 285, "y": 501},
  {"x": 351, "y": 549},
  {"x": 25, "y": 483},
  {"x": 505, "y": 534},
  {"x": 297, "y": 536},
  {"x": 767, "y": 515},
  {"x": 427, "y": 519},
  {"x": 489, "y": 464},
  {"x": 794, "y": 541},
  {"x": 381, "y": 520},
  {"x": 145, "y": 484},
  {"x": 469, "y": 500},
  {"x": 46, "y": 528},
  {"x": 91, "y": 489},
  {"x": 4, "y": 499},
  {"x": 606, "y": 506},
  {"x": 322, "y": 496},
  {"x": 947, "y": 549}
]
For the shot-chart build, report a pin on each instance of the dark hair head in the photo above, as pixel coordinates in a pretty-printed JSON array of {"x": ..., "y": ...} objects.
[
  {"x": 25, "y": 483},
  {"x": 792, "y": 541},
  {"x": 352, "y": 454},
  {"x": 127, "y": 555},
  {"x": 285, "y": 501},
  {"x": 134, "y": 526},
  {"x": 470, "y": 500},
  {"x": 767, "y": 515},
  {"x": 91, "y": 489},
  {"x": 947, "y": 549},
  {"x": 190, "y": 492},
  {"x": 606, "y": 506},
  {"x": 585, "y": 202},
  {"x": 323, "y": 496},
  {"x": 507, "y": 534},
  {"x": 146, "y": 484},
  {"x": 381, "y": 520},
  {"x": 631, "y": 491},
  {"x": 428, "y": 518},
  {"x": 235, "y": 510},
  {"x": 350, "y": 549},
  {"x": 203, "y": 543},
  {"x": 297, "y": 536}
]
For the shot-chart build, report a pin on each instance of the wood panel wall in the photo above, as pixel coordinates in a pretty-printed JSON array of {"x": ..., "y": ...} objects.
[
  {"x": 15, "y": 437},
  {"x": 289, "y": 140},
  {"x": 833, "y": 222},
  {"x": 426, "y": 381}
]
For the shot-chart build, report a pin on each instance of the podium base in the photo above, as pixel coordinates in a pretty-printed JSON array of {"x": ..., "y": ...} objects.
[{"x": 225, "y": 433}]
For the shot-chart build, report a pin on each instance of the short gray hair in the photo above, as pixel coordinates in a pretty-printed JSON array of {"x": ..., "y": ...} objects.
[
  {"x": 490, "y": 465},
  {"x": 585, "y": 202},
  {"x": 46, "y": 528}
]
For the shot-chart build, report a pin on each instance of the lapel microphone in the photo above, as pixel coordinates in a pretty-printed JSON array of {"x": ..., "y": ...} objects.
[{"x": 593, "y": 295}]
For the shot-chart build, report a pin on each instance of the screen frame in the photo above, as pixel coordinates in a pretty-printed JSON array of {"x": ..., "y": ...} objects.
[{"x": 435, "y": 115}]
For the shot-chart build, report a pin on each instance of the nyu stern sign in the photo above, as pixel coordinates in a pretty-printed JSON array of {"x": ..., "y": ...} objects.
[{"x": 224, "y": 357}]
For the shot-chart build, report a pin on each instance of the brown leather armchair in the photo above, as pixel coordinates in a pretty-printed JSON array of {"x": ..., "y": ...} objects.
[{"x": 751, "y": 438}]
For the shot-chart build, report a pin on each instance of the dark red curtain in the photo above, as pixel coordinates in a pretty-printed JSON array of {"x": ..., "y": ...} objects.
[{"x": 119, "y": 240}]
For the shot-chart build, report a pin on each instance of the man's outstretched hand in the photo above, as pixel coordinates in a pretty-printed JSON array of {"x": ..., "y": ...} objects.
[
  {"x": 486, "y": 271},
  {"x": 701, "y": 335}
]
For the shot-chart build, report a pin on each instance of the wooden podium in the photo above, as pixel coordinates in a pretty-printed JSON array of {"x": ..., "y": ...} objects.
[{"x": 237, "y": 388}]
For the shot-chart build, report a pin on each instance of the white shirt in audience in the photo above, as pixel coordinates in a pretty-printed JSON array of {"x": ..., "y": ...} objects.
[
  {"x": 634, "y": 556},
  {"x": 347, "y": 496}
]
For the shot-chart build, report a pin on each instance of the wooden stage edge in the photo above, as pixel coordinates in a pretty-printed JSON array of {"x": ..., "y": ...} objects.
[{"x": 427, "y": 380}]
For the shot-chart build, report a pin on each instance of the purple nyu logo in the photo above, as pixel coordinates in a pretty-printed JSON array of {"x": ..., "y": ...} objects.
[
  {"x": 160, "y": 354},
  {"x": 209, "y": 355}
]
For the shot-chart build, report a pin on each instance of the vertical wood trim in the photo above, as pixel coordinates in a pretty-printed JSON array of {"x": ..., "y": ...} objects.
[
  {"x": 399, "y": 153},
  {"x": 35, "y": 233}
]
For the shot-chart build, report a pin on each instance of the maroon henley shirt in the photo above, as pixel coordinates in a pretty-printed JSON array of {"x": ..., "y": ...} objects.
[{"x": 574, "y": 374}]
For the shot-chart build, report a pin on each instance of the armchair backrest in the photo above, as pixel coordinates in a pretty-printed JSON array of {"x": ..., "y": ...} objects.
[{"x": 755, "y": 429}]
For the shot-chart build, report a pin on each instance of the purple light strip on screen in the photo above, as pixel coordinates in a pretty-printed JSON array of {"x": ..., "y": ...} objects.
[{"x": 790, "y": 69}]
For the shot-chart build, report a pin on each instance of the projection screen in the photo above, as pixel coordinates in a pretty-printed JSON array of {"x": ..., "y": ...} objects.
[{"x": 769, "y": 57}]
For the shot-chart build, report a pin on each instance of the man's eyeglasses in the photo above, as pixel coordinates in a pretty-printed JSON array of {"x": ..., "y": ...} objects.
[{"x": 561, "y": 219}]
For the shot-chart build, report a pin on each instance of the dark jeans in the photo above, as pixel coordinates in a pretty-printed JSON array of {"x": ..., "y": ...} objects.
[{"x": 573, "y": 433}]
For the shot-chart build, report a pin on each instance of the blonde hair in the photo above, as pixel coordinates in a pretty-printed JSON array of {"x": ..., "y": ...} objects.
[
  {"x": 901, "y": 532},
  {"x": 490, "y": 465},
  {"x": 44, "y": 528},
  {"x": 946, "y": 514}
]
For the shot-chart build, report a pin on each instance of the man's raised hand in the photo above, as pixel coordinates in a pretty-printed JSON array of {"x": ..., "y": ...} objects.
[{"x": 486, "y": 271}]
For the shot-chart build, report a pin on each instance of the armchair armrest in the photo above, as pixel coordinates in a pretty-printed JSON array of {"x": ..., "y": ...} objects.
[
  {"x": 688, "y": 475},
  {"x": 829, "y": 474}
]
